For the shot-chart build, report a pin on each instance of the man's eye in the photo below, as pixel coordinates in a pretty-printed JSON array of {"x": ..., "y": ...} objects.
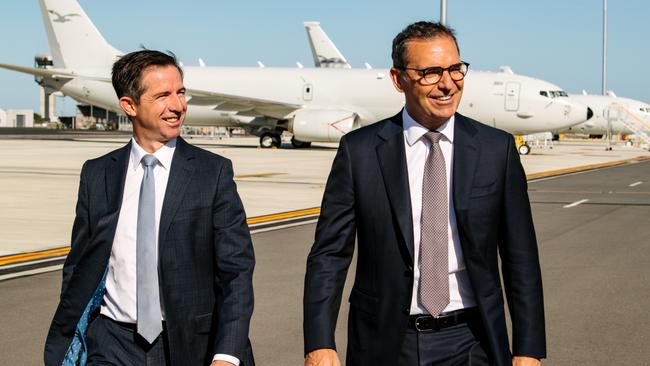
[{"x": 432, "y": 71}]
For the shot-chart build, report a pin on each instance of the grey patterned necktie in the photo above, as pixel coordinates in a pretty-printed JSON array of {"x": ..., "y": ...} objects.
[
  {"x": 434, "y": 240},
  {"x": 149, "y": 316}
]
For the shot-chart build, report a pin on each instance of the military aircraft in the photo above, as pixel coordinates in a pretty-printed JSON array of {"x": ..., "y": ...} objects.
[
  {"x": 626, "y": 116},
  {"x": 314, "y": 104}
]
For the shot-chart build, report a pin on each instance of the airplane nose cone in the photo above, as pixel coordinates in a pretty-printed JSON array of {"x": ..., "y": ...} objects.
[{"x": 590, "y": 113}]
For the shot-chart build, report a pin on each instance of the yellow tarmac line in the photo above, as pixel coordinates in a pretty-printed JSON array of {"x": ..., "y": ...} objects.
[
  {"x": 23, "y": 257},
  {"x": 585, "y": 167},
  {"x": 16, "y": 258},
  {"x": 9, "y": 259},
  {"x": 284, "y": 215}
]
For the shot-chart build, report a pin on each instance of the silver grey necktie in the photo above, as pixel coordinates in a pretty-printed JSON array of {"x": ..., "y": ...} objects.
[
  {"x": 434, "y": 240},
  {"x": 148, "y": 293}
]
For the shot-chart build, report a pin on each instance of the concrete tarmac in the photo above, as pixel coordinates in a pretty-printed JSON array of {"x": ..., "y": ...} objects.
[
  {"x": 594, "y": 254},
  {"x": 39, "y": 177}
]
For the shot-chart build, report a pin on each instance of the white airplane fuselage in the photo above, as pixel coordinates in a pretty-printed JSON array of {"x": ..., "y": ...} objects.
[
  {"x": 506, "y": 101},
  {"x": 615, "y": 108}
]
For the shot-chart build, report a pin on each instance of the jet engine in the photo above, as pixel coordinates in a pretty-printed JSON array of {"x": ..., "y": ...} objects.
[{"x": 322, "y": 125}]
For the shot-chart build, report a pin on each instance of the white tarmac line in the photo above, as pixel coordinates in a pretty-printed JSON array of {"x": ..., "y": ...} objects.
[
  {"x": 31, "y": 272},
  {"x": 20, "y": 264},
  {"x": 576, "y": 203},
  {"x": 635, "y": 184},
  {"x": 256, "y": 231}
]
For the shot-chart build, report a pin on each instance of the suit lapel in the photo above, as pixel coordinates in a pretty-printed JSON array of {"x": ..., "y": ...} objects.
[
  {"x": 392, "y": 160},
  {"x": 466, "y": 152},
  {"x": 180, "y": 175},
  {"x": 115, "y": 175}
]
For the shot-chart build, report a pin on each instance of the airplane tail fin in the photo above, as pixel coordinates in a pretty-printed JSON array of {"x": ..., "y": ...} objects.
[
  {"x": 74, "y": 40},
  {"x": 323, "y": 49}
]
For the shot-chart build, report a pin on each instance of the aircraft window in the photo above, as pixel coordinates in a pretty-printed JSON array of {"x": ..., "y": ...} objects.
[
  {"x": 553, "y": 93},
  {"x": 558, "y": 93}
]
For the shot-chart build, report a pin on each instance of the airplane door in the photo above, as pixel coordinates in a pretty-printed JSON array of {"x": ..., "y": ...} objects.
[
  {"x": 612, "y": 113},
  {"x": 512, "y": 96},
  {"x": 307, "y": 92}
]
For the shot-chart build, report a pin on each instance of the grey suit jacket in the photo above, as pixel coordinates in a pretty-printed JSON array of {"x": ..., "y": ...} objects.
[{"x": 205, "y": 256}]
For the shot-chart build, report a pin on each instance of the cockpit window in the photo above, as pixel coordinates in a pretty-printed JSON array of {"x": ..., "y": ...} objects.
[
  {"x": 645, "y": 109},
  {"x": 553, "y": 93}
]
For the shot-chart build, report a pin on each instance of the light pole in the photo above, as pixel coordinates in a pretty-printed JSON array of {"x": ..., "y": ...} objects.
[
  {"x": 609, "y": 118},
  {"x": 443, "y": 12}
]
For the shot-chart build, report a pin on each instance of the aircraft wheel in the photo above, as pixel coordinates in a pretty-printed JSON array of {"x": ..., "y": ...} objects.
[
  {"x": 629, "y": 143},
  {"x": 267, "y": 140},
  {"x": 277, "y": 141},
  {"x": 524, "y": 149},
  {"x": 300, "y": 144}
]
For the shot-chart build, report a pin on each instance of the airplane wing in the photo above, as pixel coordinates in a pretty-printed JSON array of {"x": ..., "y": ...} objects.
[
  {"x": 244, "y": 106},
  {"x": 59, "y": 74}
]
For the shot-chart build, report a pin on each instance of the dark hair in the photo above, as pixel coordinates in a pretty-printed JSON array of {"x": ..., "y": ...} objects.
[
  {"x": 418, "y": 30},
  {"x": 127, "y": 71}
]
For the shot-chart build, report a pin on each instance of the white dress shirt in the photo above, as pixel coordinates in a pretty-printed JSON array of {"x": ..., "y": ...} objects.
[
  {"x": 120, "y": 299},
  {"x": 417, "y": 149}
]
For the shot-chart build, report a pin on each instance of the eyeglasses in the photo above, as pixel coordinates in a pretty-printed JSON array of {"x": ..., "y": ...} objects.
[{"x": 432, "y": 75}]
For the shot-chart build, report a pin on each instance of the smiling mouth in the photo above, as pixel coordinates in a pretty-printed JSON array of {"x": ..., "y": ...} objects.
[
  {"x": 443, "y": 98},
  {"x": 174, "y": 119}
]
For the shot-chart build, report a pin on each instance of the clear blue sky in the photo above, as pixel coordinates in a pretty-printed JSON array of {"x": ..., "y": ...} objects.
[{"x": 558, "y": 41}]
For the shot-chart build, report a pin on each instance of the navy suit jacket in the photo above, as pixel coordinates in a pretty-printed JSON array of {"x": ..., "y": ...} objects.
[
  {"x": 205, "y": 256},
  {"x": 367, "y": 194}
]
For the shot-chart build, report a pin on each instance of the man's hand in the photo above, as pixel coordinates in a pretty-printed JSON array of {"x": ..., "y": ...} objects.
[
  {"x": 525, "y": 361},
  {"x": 221, "y": 363},
  {"x": 322, "y": 357}
]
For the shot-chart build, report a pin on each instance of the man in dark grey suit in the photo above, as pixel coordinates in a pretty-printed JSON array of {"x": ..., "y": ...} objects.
[
  {"x": 434, "y": 199},
  {"x": 160, "y": 269}
]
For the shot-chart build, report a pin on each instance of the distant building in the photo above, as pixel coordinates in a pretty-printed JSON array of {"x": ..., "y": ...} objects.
[
  {"x": 16, "y": 118},
  {"x": 97, "y": 118}
]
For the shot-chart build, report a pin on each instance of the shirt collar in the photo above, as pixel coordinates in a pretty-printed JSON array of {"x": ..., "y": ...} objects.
[
  {"x": 414, "y": 130},
  {"x": 164, "y": 154}
]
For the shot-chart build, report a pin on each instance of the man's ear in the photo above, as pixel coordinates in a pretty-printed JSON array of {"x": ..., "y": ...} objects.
[
  {"x": 397, "y": 80},
  {"x": 128, "y": 106}
]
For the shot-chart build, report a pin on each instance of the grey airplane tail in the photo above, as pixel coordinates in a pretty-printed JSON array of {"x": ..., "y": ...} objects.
[{"x": 323, "y": 49}]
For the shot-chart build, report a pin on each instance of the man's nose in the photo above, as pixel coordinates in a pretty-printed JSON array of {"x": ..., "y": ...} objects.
[
  {"x": 446, "y": 81},
  {"x": 176, "y": 103}
]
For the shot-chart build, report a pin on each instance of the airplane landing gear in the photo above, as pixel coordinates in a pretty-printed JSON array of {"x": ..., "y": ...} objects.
[
  {"x": 522, "y": 146},
  {"x": 269, "y": 140},
  {"x": 524, "y": 149},
  {"x": 299, "y": 144}
]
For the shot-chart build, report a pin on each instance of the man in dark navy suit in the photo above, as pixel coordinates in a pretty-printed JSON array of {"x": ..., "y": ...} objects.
[
  {"x": 433, "y": 199},
  {"x": 160, "y": 269}
]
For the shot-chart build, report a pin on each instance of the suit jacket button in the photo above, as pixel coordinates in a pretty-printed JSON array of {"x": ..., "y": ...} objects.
[{"x": 407, "y": 311}]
